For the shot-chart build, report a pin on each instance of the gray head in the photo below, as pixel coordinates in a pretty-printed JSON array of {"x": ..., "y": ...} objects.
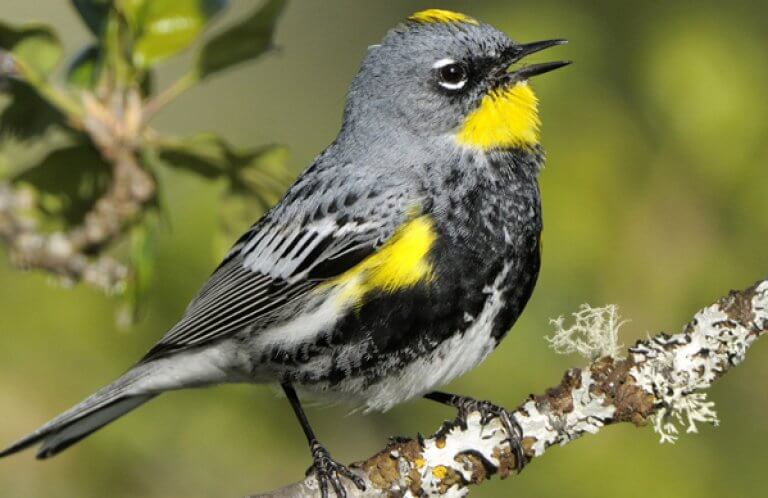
[{"x": 442, "y": 72}]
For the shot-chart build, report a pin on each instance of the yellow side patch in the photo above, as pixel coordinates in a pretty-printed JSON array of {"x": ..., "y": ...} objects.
[
  {"x": 438, "y": 15},
  {"x": 400, "y": 263},
  {"x": 506, "y": 118}
]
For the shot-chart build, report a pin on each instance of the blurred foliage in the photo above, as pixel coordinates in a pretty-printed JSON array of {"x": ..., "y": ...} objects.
[
  {"x": 66, "y": 198},
  {"x": 128, "y": 40},
  {"x": 654, "y": 196}
]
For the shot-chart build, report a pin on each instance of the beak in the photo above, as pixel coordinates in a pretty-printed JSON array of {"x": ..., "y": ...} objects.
[{"x": 525, "y": 72}]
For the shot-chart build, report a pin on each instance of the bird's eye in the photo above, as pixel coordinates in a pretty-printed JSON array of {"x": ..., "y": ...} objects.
[{"x": 451, "y": 75}]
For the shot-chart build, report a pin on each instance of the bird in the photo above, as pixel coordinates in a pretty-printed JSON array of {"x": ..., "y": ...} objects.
[{"x": 397, "y": 261}]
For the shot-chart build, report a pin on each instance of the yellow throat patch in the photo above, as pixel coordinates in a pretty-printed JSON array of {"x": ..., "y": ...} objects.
[
  {"x": 400, "y": 263},
  {"x": 438, "y": 15},
  {"x": 506, "y": 118}
]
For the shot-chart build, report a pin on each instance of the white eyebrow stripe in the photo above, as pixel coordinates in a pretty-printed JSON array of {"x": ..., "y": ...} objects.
[{"x": 443, "y": 63}]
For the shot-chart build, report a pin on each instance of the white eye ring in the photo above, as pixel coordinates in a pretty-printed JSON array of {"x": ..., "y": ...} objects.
[
  {"x": 452, "y": 86},
  {"x": 448, "y": 85},
  {"x": 443, "y": 63}
]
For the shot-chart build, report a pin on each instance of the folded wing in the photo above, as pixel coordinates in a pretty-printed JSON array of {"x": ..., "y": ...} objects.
[{"x": 271, "y": 267}]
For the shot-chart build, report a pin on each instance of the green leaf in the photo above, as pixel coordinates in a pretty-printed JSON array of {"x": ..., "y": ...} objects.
[
  {"x": 93, "y": 13},
  {"x": 260, "y": 181},
  {"x": 69, "y": 181},
  {"x": 163, "y": 28},
  {"x": 143, "y": 238},
  {"x": 242, "y": 42},
  {"x": 204, "y": 155},
  {"x": 147, "y": 83},
  {"x": 27, "y": 115},
  {"x": 253, "y": 179},
  {"x": 34, "y": 45},
  {"x": 83, "y": 71},
  {"x": 261, "y": 174},
  {"x": 236, "y": 213},
  {"x": 258, "y": 172}
]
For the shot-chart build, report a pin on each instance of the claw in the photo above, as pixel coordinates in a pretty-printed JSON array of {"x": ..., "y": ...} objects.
[
  {"x": 327, "y": 470},
  {"x": 488, "y": 410}
]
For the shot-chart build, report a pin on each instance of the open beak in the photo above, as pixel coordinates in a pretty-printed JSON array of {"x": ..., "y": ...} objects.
[{"x": 525, "y": 72}]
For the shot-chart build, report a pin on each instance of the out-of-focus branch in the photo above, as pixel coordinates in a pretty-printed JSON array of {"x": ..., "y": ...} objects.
[
  {"x": 103, "y": 207},
  {"x": 661, "y": 382},
  {"x": 113, "y": 125},
  {"x": 11, "y": 67},
  {"x": 168, "y": 95}
]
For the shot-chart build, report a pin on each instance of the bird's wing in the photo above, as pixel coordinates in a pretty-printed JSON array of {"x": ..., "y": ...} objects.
[{"x": 272, "y": 266}]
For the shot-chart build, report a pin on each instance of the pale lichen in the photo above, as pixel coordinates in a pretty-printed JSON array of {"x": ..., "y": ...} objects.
[
  {"x": 675, "y": 369},
  {"x": 441, "y": 466},
  {"x": 586, "y": 415},
  {"x": 594, "y": 333}
]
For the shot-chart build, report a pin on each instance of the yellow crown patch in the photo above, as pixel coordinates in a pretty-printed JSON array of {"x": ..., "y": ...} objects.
[{"x": 438, "y": 15}]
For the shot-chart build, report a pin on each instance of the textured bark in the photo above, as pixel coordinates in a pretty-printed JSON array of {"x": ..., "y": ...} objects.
[{"x": 661, "y": 382}]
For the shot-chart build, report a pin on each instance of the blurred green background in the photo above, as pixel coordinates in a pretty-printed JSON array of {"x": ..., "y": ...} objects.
[{"x": 655, "y": 198}]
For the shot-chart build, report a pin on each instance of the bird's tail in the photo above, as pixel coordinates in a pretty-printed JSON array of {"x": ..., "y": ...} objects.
[{"x": 96, "y": 411}]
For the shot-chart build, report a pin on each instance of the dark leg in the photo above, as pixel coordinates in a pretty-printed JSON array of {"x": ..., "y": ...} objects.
[
  {"x": 465, "y": 405},
  {"x": 326, "y": 469}
]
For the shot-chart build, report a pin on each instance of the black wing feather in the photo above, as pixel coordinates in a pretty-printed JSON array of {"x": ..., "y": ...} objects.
[{"x": 237, "y": 296}]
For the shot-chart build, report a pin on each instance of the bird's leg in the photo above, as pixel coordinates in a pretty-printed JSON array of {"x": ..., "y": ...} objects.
[
  {"x": 327, "y": 470},
  {"x": 466, "y": 405}
]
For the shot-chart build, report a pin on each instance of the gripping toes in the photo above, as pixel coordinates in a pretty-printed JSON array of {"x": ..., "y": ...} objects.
[
  {"x": 488, "y": 411},
  {"x": 328, "y": 471}
]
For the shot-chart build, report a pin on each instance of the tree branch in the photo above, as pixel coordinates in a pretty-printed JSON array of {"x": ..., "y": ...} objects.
[
  {"x": 114, "y": 126},
  {"x": 57, "y": 253},
  {"x": 661, "y": 382}
]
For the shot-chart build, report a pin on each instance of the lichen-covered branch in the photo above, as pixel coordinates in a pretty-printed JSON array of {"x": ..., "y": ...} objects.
[
  {"x": 58, "y": 253},
  {"x": 114, "y": 125},
  {"x": 660, "y": 382}
]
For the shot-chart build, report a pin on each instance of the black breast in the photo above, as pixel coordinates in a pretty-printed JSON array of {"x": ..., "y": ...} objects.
[
  {"x": 488, "y": 223},
  {"x": 492, "y": 220}
]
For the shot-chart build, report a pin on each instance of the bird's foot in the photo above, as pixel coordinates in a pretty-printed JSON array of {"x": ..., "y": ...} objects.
[
  {"x": 466, "y": 405},
  {"x": 329, "y": 471}
]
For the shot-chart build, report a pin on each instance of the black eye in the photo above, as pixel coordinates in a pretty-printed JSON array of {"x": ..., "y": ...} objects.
[{"x": 451, "y": 75}]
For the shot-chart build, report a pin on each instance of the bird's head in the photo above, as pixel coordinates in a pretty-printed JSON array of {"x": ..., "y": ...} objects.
[{"x": 443, "y": 73}]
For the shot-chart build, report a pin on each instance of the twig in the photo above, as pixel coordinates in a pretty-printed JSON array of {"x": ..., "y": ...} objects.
[
  {"x": 168, "y": 95},
  {"x": 13, "y": 67},
  {"x": 660, "y": 382},
  {"x": 114, "y": 130}
]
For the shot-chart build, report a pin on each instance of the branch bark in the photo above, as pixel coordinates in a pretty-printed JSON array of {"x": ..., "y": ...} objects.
[
  {"x": 660, "y": 382},
  {"x": 114, "y": 126}
]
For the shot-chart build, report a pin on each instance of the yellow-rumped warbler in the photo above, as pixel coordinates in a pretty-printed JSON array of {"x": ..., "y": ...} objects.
[{"x": 396, "y": 262}]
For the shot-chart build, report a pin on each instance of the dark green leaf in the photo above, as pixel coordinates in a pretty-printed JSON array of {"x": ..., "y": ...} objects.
[
  {"x": 163, "y": 28},
  {"x": 142, "y": 259},
  {"x": 27, "y": 115},
  {"x": 35, "y": 45},
  {"x": 69, "y": 181},
  {"x": 147, "y": 83},
  {"x": 236, "y": 213},
  {"x": 242, "y": 42},
  {"x": 203, "y": 155},
  {"x": 260, "y": 174},
  {"x": 94, "y": 13},
  {"x": 83, "y": 70},
  {"x": 256, "y": 172},
  {"x": 253, "y": 179}
]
